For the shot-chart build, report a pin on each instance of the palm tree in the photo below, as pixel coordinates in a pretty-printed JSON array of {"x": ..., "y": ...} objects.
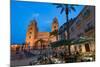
[{"x": 67, "y": 9}]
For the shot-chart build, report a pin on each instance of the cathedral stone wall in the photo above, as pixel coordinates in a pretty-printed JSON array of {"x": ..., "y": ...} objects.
[{"x": 33, "y": 35}]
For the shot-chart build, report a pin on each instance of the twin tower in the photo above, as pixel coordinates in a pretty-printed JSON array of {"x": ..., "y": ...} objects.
[{"x": 34, "y": 37}]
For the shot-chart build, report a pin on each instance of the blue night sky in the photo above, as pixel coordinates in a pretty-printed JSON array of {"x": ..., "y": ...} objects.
[{"x": 23, "y": 12}]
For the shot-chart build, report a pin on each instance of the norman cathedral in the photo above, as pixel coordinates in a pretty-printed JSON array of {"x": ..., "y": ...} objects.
[{"x": 36, "y": 39}]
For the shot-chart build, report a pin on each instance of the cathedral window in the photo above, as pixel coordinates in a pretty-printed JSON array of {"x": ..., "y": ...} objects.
[
  {"x": 29, "y": 36},
  {"x": 30, "y": 32},
  {"x": 54, "y": 27},
  {"x": 31, "y": 28}
]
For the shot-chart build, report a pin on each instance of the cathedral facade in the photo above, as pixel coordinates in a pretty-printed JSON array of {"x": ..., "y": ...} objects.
[{"x": 36, "y": 39}]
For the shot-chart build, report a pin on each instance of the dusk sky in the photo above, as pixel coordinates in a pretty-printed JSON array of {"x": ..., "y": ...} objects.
[{"x": 23, "y": 12}]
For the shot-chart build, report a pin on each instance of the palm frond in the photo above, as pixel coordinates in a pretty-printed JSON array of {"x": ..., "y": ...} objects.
[
  {"x": 59, "y": 6},
  {"x": 66, "y": 5},
  {"x": 73, "y": 8},
  {"x": 62, "y": 10},
  {"x": 56, "y": 4}
]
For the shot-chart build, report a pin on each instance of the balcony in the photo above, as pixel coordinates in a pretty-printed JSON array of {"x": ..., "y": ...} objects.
[{"x": 89, "y": 28}]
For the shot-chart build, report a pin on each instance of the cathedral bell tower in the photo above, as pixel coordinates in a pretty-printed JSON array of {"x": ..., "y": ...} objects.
[
  {"x": 31, "y": 34},
  {"x": 55, "y": 24},
  {"x": 54, "y": 31}
]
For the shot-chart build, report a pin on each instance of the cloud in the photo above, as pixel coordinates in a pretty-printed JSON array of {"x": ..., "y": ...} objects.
[
  {"x": 48, "y": 21},
  {"x": 35, "y": 15}
]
